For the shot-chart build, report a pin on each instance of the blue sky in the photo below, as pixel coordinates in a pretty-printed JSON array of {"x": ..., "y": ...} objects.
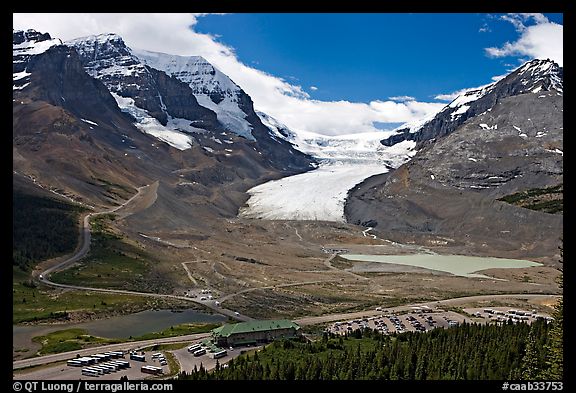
[
  {"x": 336, "y": 73},
  {"x": 364, "y": 57}
]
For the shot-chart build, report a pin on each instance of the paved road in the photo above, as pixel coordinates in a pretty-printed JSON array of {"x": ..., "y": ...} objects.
[
  {"x": 85, "y": 243},
  {"x": 105, "y": 348},
  {"x": 302, "y": 321}
]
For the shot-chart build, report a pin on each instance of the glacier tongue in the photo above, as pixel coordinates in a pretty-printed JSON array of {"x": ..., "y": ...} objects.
[
  {"x": 320, "y": 194},
  {"x": 316, "y": 195}
]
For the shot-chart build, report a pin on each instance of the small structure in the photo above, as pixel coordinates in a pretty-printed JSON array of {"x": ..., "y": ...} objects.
[{"x": 254, "y": 332}]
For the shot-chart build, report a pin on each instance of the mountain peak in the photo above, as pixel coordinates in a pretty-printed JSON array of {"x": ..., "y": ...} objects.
[
  {"x": 533, "y": 77},
  {"x": 30, "y": 35},
  {"x": 539, "y": 75}
]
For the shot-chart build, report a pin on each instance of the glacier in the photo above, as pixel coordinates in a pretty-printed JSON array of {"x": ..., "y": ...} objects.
[{"x": 320, "y": 194}]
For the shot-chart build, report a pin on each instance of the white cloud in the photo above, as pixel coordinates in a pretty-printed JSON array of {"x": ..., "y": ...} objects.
[
  {"x": 289, "y": 103},
  {"x": 402, "y": 98},
  {"x": 313, "y": 88},
  {"x": 542, "y": 40},
  {"x": 484, "y": 29}
]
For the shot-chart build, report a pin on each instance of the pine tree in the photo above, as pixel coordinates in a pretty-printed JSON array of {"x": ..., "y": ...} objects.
[
  {"x": 555, "y": 347},
  {"x": 531, "y": 368}
]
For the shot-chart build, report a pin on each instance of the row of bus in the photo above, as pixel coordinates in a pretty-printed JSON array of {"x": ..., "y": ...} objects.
[
  {"x": 94, "y": 359},
  {"x": 199, "y": 350},
  {"x": 105, "y": 368}
]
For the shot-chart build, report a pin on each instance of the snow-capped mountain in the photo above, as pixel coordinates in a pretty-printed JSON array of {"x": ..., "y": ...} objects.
[
  {"x": 486, "y": 145},
  {"x": 26, "y": 44},
  {"x": 212, "y": 88},
  {"x": 162, "y": 106},
  {"x": 533, "y": 77},
  {"x": 93, "y": 120}
]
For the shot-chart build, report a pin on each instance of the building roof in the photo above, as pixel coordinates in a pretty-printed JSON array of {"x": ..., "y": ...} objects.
[{"x": 254, "y": 326}]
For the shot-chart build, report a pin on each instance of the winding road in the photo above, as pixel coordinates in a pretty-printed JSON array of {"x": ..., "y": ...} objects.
[
  {"x": 83, "y": 249},
  {"x": 213, "y": 304}
]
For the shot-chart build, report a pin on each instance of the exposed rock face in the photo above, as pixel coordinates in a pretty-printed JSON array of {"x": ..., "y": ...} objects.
[
  {"x": 86, "y": 137},
  {"x": 106, "y": 57},
  {"x": 450, "y": 186},
  {"x": 536, "y": 76},
  {"x": 20, "y": 36},
  {"x": 233, "y": 107}
]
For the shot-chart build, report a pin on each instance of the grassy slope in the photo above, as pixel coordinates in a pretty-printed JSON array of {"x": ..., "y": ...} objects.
[
  {"x": 74, "y": 339},
  {"x": 548, "y": 200},
  {"x": 112, "y": 263}
]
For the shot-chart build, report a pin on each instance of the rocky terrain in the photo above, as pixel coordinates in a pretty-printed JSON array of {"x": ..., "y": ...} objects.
[
  {"x": 508, "y": 143},
  {"x": 94, "y": 122}
]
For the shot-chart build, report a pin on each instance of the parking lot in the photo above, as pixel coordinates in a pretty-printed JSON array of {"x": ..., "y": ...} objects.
[
  {"x": 503, "y": 314},
  {"x": 410, "y": 321},
  {"x": 188, "y": 361},
  {"x": 65, "y": 372}
]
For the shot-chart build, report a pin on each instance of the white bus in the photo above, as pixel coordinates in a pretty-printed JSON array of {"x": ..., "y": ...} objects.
[
  {"x": 89, "y": 372},
  {"x": 151, "y": 370},
  {"x": 219, "y": 354},
  {"x": 199, "y": 352},
  {"x": 97, "y": 370}
]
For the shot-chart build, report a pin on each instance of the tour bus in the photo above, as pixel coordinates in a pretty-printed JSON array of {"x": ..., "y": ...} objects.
[
  {"x": 219, "y": 354},
  {"x": 122, "y": 364},
  {"x": 104, "y": 370},
  {"x": 110, "y": 366},
  {"x": 199, "y": 352},
  {"x": 152, "y": 370},
  {"x": 194, "y": 348},
  {"x": 135, "y": 356},
  {"x": 74, "y": 363},
  {"x": 89, "y": 372},
  {"x": 97, "y": 370}
]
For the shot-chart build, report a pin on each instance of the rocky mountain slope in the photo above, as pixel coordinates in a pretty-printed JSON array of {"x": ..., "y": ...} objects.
[
  {"x": 474, "y": 152},
  {"x": 93, "y": 122},
  {"x": 233, "y": 107},
  {"x": 533, "y": 77}
]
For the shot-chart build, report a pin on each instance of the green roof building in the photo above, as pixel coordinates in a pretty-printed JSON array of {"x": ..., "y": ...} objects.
[{"x": 254, "y": 332}]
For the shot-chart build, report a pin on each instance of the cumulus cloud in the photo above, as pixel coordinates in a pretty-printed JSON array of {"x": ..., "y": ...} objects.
[
  {"x": 402, "y": 98},
  {"x": 541, "y": 40},
  {"x": 288, "y": 102},
  {"x": 484, "y": 29},
  {"x": 313, "y": 88}
]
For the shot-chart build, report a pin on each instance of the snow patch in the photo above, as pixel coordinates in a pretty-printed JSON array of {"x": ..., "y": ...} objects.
[
  {"x": 20, "y": 87},
  {"x": 149, "y": 125},
  {"x": 557, "y": 151},
  {"x": 487, "y": 127},
  {"x": 33, "y": 47},
  {"x": 459, "y": 112},
  {"x": 19, "y": 75},
  {"x": 89, "y": 122}
]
